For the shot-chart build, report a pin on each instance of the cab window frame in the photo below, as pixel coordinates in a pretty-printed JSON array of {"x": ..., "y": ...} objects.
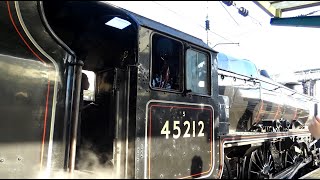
[
  {"x": 181, "y": 73},
  {"x": 209, "y": 65}
]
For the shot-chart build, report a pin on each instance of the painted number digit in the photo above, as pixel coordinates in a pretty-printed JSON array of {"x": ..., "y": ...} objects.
[
  {"x": 176, "y": 127},
  {"x": 186, "y": 134},
  {"x": 200, "y": 123},
  {"x": 165, "y": 130},
  {"x": 193, "y": 129}
]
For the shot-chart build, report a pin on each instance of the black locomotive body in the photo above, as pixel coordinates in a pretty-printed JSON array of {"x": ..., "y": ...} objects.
[
  {"x": 265, "y": 135},
  {"x": 163, "y": 103}
]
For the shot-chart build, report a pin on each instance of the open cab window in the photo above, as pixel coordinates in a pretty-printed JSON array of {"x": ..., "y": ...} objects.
[
  {"x": 88, "y": 93},
  {"x": 166, "y": 63}
]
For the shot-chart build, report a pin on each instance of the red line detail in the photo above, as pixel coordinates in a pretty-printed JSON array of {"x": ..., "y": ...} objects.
[
  {"x": 183, "y": 107},
  {"x": 45, "y": 121},
  {"x": 260, "y": 111},
  {"x": 278, "y": 109},
  {"x": 150, "y": 144},
  {"x": 48, "y": 90},
  {"x": 21, "y": 35}
]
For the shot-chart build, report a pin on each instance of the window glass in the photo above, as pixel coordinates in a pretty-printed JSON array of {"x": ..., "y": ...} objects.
[
  {"x": 239, "y": 66},
  {"x": 223, "y": 61},
  {"x": 250, "y": 69},
  {"x": 197, "y": 72},
  {"x": 88, "y": 91},
  {"x": 166, "y": 59}
]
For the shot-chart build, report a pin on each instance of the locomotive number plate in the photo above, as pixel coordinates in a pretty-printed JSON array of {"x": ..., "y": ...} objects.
[{"x": 179, "y": 140}]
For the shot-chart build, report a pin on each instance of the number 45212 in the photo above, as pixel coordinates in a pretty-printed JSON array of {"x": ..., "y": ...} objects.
[{"x": 177, "y": 130}]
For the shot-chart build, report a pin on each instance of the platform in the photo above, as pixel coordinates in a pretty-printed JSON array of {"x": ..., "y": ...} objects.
[{"x": 312, "y": 175}]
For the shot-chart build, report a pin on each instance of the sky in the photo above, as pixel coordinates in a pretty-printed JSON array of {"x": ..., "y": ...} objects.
[{"x": 274, "y": 48}]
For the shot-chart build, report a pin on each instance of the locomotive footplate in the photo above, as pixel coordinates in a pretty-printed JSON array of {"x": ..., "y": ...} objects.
[{"x": 179, "y": 140}]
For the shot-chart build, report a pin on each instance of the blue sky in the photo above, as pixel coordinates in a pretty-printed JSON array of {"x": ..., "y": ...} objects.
[{"x": 274, "y": 48}]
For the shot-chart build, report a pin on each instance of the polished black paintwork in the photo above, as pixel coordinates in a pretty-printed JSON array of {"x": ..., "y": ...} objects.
[
  {"x": 145, "y": 94},
  {"x": 55, "y": 63},
  {"x": 29, "y": 103},
  {"x": 40, "y": 75},
  {"x": 254, "y": 99}
]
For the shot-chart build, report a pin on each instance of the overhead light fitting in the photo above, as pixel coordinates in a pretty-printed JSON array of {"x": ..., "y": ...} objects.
[{"x": 118, "y": 23}]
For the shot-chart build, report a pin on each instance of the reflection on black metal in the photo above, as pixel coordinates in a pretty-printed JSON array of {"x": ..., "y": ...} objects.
[{"x": 166, "y": 105}]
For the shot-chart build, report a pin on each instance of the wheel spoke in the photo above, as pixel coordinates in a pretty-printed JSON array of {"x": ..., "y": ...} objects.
[
  {"x": 271, "y": 163},
  {"x": 262, "y": 157},
  {"x": 260, "y": 168},
  {"x": 266, "y": 151},
  {"x": 290, "y": 156},
  {"x": 258, "y": 158},
  {"x": 269, "y": 159}
]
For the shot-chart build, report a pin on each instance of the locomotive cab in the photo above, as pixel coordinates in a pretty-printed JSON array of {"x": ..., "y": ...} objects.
[
  {"x": 149, "y": 81},
  {"x": 105, "y": 39}
]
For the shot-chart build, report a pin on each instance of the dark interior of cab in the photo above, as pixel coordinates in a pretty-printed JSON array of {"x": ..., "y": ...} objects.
[{"x": 82, "y": 26}]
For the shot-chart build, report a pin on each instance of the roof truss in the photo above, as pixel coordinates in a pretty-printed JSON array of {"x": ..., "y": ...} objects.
[{"x": 275, "y": 9}]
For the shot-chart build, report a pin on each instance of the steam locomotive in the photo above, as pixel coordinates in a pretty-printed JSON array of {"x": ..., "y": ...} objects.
[{"x": 163, "y": 104}]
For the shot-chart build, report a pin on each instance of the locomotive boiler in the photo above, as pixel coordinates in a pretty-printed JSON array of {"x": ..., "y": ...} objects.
[
  {"x": 261, "y": 120},
  {"x": 255, "y": 100}
]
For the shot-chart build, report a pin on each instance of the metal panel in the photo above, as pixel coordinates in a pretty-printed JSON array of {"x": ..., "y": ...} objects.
[
  {"x": 145, "y": 93},
  {"x": 188, "y": 150},
  {"x": 304, "y": 21},
  {"x": 30, "y": 62}
]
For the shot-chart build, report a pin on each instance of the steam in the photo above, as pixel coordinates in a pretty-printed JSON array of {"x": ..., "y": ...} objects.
[{"x": 91, "y": 165}]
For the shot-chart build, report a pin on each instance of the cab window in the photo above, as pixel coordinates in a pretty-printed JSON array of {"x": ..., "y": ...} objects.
[
  {"x": 197, "y": 72},
  {"x": 88, "y": 93},
  {"x": 166, "y": 63}
]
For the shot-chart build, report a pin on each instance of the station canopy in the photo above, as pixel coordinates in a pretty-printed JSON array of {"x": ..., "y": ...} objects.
[{"x": 276, "y": 9}]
